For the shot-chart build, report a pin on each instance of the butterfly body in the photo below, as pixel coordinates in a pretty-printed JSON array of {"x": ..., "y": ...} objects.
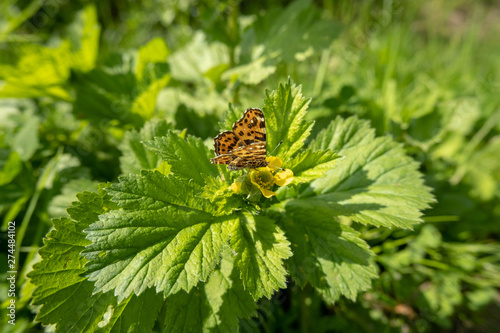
[{"x": 245, "y": 145}]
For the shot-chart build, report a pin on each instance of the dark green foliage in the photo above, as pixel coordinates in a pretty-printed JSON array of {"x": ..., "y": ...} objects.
[{"x": 389, "y": 114}]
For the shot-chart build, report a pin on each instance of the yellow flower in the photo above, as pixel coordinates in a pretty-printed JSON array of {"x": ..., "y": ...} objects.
[
  {"x": 283, "y": 178},
  {"x": 236, "y": 187},
  {"x": 241, "y": 185},
  {"x": 273, "y": 163},
  {"x": 264, "y": 178}
]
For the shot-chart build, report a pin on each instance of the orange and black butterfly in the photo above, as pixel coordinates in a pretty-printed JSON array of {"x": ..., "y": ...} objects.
[{"x": 245, "y": 146}]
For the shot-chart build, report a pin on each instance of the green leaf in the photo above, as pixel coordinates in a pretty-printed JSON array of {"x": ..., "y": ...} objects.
[
  {"x": 231, "y": 116},
  {"x": 327, "y": 254},
  {"x": 289, "y": 34},
  {"x": 67, "y": 299},
  {"x": 206, "y": 103},
  {"x": 114, "y": 92},
  {"x": 251, "y": 73},
  {"x": 164, "y": 236},
  {"x": 260, "y": 248},
  {"x": 443, "y": 293},
  {"x": 68, "y": 264},
  {"x": 481, "y": 171},
  {"x": 58, "y": 205},
  {"x": 39, "y": 71},
  {"x": 478, "y": 299},
  {"x": 135, "y": 156},
  {"x": 84, "y": 35},
  {"x": 197, "y": 58},
  {"x": 145, "y": 103},
  {"x": 285, "y": 109},
  {"x": 9, "y": 166},
  {"x": 220, "y": 194},
  {"x": 155, "y": 51},
  {"x": 200, "y": 123},
  {"x": 286, "y": 34},
  {"x": 188, "y": 157},
  {"x": 26, "y": 141},
  {"x": 214, "y": 74},
  {"x": 136, "y": 314},
  {"x": 376, "y": 184},
  {"x": 217, "y": 305},
  {"x": 104, "y": 93},
  {"x": 309, "y": 165}
]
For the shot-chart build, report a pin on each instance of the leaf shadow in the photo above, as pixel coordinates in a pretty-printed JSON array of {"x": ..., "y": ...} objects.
[
  {"x": 320, "y": 242},
  {"x": 333, "y": 199}
]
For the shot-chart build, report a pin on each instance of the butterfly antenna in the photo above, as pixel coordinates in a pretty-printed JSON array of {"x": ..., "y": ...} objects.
[
  {"x": 276, "y": 147},
  {"x": 277, "y": 167},
  {"x": 273, "y": 152}
]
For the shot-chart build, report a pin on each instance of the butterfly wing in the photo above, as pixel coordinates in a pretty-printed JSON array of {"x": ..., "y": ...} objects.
[
  {"x": 251, "y": 127},
  {"x": 245, "y": 146},
  {"x": 226, "y": 142},
  {"x": 251, "y": 156}
]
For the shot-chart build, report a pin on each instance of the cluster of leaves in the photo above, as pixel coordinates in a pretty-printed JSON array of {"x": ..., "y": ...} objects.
[
  {"x": 81, "y": 99},
  {"x": 168, "y": 231},
  {"x": 425, "y": 94}
]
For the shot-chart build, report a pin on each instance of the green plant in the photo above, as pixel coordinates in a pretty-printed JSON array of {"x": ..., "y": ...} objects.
[
  {"x": 117, "y": 102},
  {"x": 168, "y": 239}
]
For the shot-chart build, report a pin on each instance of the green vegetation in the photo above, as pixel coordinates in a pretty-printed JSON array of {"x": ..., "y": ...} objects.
[{"x": 389, "y": 112}]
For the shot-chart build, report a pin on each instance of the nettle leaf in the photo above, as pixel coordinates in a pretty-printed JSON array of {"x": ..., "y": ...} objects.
[
  {"x": 84, "y": 35},
  {"x": 39, "y": 71},
  {"x": 104, "y": 93},
  {"x": 188, "y": 157},
  {"x": 252, "y": 73},
  {"x": 216, "y": 306},
  {"x": 135, "y": 156},
  {"x": 145, "y": 103},
  {"x": 327, "y": 254},
  {"x": 169, "y": 232},
  {"x": 285, "y": 109},
  {"x": 67, "y": 299},
  {"x": 182, "y": 239},
  {"x": 376, "y": 184},
  {"x": 230, "y": 117},
  {"x": 197, "y": 58},
  {"x": 120, "y": 93},
  {"x": 220, "y": 194},
  {"x": 44, "y": 71},
  {"x": 57, "y": 206},
  {"x": 290, "y": 34},
  {"x": 164, "y": 236},
  {"x": 26, "y": 141},
  {"x": 167, "y": 237},
  {"x": 311, "y": 164},
  {"x": 260, "y": 247},
  {"x": 156, "y": 51},
  {"x": 11, "y": 165}
]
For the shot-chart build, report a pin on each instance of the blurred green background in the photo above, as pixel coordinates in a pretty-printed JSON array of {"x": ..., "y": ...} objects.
[{"x": 76, "y": 75}]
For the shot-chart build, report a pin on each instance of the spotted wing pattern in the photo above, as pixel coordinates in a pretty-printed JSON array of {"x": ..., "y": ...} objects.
[{"x": 245, "y": 146}]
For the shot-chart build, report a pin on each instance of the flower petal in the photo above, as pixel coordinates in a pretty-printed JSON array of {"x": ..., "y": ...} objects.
[
  {"x": 262, "y": 177},
  {"x": 267, "y": 193},
  {"x": 284, "y": 177},
  {"x": 236, "y": 187},
  {"x": 274, "y": 163}
]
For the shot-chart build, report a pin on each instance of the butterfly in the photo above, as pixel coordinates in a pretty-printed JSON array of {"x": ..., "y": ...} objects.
[{"x": 245, "y": 146}]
